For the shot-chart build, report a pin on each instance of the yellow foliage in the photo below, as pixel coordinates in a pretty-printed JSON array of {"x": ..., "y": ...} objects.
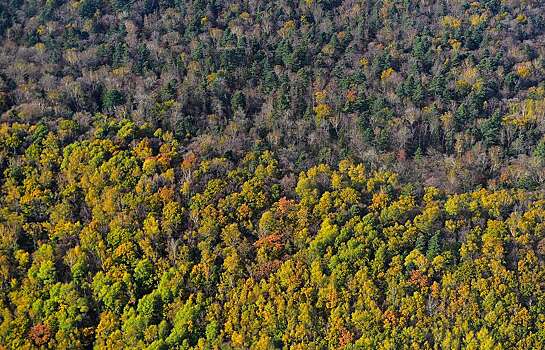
[
  {"x": 151, "y": 226},
  {"x": 521, "y": 18},
  {"x": 455, "y": 204},
  {"x": 348, "y": 196},
  {"x": 41, "y": 30},
  {"x": 525, "y": 112},
  {"x": 356, "y": 173},
  {"x": 237, "y": 339},
  {"x": 495, "y": 202},
  {"x": 438, "y": 262},
  {"x": 345, "y": 165},
  {"x": 451, "y": 22},
  {"x": 382, "y": 179},
  {"x": 287, "y": 27},
  {"x": 323, "y": 111},
  {"x": 320, "y": 96},
  {"x": 149, "y": 166},
  {"x": 417, "y": 258},
  {"x": 524, "y": 70},
  {"x": 379, "y": 201},
  {"x": 212, "y": 77},
  {"x": 478, "y": 86},
  {"x": 455, "y": 44},
  {"x": 245, "y": 15},
  {"x": 431, "y": 194},
  {"x": 475, "y": 20},
  {"x": 231, "y": 262},
  {"x": 22, "y": 257},
  {"x": 336, "y": 180},
  {"x": 468, "y": 76},
  {"x": 121, "y": 71},
  {"x": 387, "y": 73},
  {"x": 328, "y": 49},
  {"x": 40, "y": 47}
]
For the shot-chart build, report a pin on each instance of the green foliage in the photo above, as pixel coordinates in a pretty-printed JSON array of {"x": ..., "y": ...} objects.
[
  {"x": 112, "y": 98},
  {"x": 539, "y": 151},
  {"x": 200, "y": 253},
  {"x": 88, "y": 8},
  {"x": 440, "y": 81},
  {"x": 312, "y": 175}
]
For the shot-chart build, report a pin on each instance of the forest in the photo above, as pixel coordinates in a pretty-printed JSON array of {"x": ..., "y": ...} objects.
[{"x": 312, "y": 174}]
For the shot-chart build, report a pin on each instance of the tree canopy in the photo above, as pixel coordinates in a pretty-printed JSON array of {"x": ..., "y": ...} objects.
[{"x": 318, "y": 174}]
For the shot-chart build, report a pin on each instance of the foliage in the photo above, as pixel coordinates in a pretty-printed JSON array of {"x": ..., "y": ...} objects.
[
  {"x": 259, "y": 175},
  {"x": 208, "y": 253}
]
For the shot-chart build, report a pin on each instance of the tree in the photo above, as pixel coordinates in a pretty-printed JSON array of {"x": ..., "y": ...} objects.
[{"x": 112, "y": 98}]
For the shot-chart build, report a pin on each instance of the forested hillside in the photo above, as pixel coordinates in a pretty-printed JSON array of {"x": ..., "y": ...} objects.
[
  {"x": 317, "y": 174},
  {"x": 456, "y": 84},
  {"x": 120, "y": 241}
]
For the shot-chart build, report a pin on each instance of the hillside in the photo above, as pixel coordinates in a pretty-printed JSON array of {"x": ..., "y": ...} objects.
[{"x": 356, "y": 174}]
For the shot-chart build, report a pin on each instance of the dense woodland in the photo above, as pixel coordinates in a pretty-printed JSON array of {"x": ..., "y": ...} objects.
[{"x": 317, "y": 174}]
